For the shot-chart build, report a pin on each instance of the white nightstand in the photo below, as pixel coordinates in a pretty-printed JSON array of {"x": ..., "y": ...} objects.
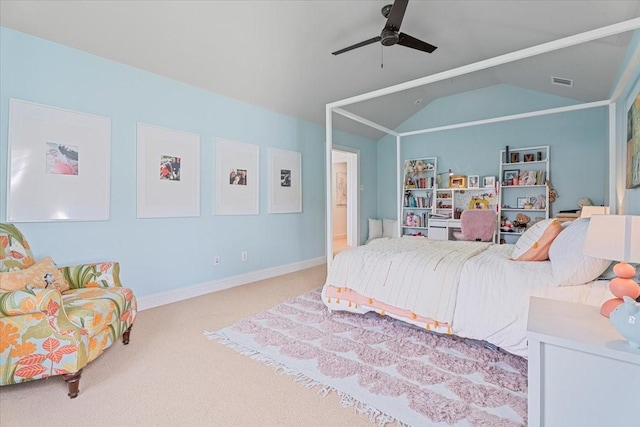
[{"x": 582, "y": 372}]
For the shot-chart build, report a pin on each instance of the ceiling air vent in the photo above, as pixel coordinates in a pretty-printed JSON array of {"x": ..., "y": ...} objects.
[{"x": 562, "y": 82}]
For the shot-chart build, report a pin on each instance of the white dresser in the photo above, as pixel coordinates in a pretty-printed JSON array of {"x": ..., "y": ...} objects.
[{"x": 582, "y": 372}]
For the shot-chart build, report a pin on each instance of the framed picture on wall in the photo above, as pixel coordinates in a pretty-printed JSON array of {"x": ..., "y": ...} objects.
[
  {"x": 237, "y": 180},
  {"x": 633, "y": 144},
  {"x": 285, "y": 181},
  {"x": 168, "y": 169},
  {"x": 59, "y": 164}
]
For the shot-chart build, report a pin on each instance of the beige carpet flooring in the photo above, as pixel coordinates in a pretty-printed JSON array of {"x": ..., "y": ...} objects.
[{"x": 172, "y": 375}]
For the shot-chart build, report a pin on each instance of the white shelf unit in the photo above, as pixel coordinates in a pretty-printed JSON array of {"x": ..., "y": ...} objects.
[
  {"x": 418, "y": 195},
  {"x": 517, "y": 195}
]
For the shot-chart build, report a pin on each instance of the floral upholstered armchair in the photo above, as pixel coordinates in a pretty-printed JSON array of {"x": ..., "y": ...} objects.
[{"x": 54, "y": 321}]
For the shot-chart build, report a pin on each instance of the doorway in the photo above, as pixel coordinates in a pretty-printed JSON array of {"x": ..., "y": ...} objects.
[{"x": 344, "y": 172}]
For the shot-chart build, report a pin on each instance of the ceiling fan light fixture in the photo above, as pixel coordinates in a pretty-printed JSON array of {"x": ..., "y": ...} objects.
[{"x": 389, "y": 37}]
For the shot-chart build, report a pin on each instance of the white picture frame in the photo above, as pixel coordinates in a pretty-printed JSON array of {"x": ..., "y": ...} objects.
[
  {"x": 473, "y": 181},
  {"x": 58, "y": 164},
  {"x": 489, "y": 182},
  {"x": 285, "y": 181},
  {"x": 168, "y": 172},
  {"x": 236, "y": 178}
]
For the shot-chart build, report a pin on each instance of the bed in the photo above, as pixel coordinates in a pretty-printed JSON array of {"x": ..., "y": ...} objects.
[{"x": 474, "y": 290}]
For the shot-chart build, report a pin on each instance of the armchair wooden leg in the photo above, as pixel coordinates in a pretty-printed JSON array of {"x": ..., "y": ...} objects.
[
  {"x": 73, "y": 380},
  {"x": 125, "y": 336}
]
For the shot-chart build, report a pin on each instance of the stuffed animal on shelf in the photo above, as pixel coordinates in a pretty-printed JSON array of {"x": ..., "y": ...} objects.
[
  {"x": 540, "y": 203},
  {"x": 521, "y": 221}
]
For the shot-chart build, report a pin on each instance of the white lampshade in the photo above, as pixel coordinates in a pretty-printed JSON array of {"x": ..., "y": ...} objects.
[
  {"x": 614, "y": 237},
  {"x": 587, "y": 211}
]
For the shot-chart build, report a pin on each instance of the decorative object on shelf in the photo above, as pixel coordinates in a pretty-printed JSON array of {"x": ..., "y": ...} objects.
[
  {"x": 625, "y": 318},
  {"x": 616, "y": 237},
  {"x": 475, "y": 204},
  {"x": 506, "y": 154},
  {"x": 474, "y": 181},
  {"x": 521, "y": 221},
  {"x": 457, "y": 181},
  {"x": 539, "y": 156},
  {"x": 489, "y": 181},
  {"x": 540, "y": 203},
  {"x": 585, "y": 201},
  {"x": 416, "y": 167},
  {"x": 529, "y": 157},
  {"x": 553, "y": 194},
  {"x": 521, "y": 201},
  {"x": 510, "y": 177},
  {"x": 514, "y": 157},
  {"x": 449, "y": 172}
]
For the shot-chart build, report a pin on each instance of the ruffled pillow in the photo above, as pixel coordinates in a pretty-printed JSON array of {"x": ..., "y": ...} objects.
[{"x": 42, "y": 274}]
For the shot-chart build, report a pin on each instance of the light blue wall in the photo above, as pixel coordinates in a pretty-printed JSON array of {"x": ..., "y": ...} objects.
[
  {"x": 629, "y": 199},
  {"x": 578, "y": 142},
  {"x": 158, "y": 255}
]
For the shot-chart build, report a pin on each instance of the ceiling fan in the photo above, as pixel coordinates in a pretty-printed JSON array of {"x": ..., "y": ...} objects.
[{"x": 391, "y": 34}]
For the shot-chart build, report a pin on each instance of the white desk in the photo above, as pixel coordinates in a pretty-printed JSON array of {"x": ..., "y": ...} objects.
[
  {"x": 582, "y": 372},
  {"x": 442, "y": 228}
]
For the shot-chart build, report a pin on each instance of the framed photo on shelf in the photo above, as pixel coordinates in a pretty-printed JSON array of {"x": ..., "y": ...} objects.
[
  {"x": 473, "y": 181},
  {"x": 489, "y": 181},
  {"x": 515, "y": 157},
  {"x": 510, "y": 177},
  {"x": 521, "y": 201},
  {"x": 458, "y": 181}
]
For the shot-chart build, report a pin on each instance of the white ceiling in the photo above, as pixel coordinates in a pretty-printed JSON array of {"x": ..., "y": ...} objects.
[{"x": 277, "y": 54}]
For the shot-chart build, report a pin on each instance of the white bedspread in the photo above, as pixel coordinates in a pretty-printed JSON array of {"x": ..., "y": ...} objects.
[
  {"x": 411, "y": 273},
  {"x": 474, "y": 287},
  {"x": 494, "y": 292}
]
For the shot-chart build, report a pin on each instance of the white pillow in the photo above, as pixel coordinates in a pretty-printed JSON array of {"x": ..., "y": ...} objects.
[
  {"x": 568, "y": 264},
  {"x": 389, "y": 228},
  {"x": 375, "y": 228}
]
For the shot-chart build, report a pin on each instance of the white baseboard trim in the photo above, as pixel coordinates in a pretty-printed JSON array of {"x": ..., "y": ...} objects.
[{"x": 175, "y": 295}]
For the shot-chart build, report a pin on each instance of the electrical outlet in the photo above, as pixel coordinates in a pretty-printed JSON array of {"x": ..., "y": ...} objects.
[
  {"x": 243, "y": 255},
  {"x": 216, "y": 260}
]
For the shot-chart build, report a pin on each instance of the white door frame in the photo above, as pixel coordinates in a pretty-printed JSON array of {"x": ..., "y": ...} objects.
[{"x": 353, "y": 200}]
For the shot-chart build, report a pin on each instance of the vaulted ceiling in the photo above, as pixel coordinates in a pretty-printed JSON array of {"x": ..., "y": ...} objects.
[{"x": 277, "y": 54}]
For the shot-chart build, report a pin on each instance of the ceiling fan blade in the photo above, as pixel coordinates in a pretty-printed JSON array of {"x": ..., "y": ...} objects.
[
  {"x": 396, "y": 15},
  {"x": 414, "y": 43},
  {"x": 357, "y": 45}
]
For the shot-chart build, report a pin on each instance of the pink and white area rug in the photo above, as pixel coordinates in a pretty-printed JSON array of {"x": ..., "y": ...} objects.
[{"x": 395, "y": 372}]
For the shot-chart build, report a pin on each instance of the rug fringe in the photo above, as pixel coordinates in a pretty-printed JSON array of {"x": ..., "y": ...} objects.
[{"x": 346, "y": 400}]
